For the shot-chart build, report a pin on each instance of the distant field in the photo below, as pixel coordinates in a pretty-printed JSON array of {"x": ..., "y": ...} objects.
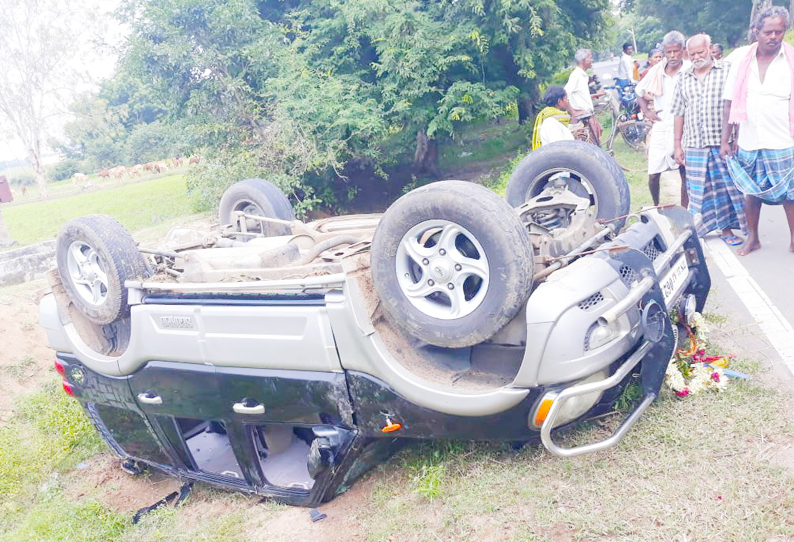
[{"x": 137, "y": 206}]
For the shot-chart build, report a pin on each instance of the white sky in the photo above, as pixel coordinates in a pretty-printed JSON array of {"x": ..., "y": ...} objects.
[{"x": 100, "y": 65}]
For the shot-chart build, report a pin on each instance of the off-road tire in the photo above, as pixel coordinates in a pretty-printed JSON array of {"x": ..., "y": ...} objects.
[
  {"x": 266, "y": 197},
  {"x": 500, "y": 233},
  {"x": 118, "y": 257},
  {"x": 608, "y": 182}
]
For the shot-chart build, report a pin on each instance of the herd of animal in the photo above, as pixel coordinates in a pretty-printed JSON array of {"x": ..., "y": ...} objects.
[{"x": 119, "y": 172}]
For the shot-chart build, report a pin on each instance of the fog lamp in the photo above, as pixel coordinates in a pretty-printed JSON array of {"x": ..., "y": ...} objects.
[{"x": 573, "y": 407}]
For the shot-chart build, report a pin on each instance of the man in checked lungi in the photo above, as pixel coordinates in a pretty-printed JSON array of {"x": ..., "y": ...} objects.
[
  {"x": 698, "y": 108},
  {"x": 758, "y": 133}
]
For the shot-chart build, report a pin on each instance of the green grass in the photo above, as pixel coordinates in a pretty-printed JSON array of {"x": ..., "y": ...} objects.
[
  {"x": 482, "y": 142},
  {"x": 136, "y": 206},
  {"x": 48, "y": 432},
  {"x": 19, "y": 369}
]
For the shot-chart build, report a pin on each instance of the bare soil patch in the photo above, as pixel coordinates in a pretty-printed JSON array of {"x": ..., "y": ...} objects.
[
  {"x": 101, "y": 478},
  {"x": 25, "y": 358}
]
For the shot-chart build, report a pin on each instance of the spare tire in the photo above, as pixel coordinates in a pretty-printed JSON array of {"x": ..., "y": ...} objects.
[
  {"x": 593, "y": 174},
  {"x": 95, "y": 256},
  {"x": 257, "y": 197},
  {"x": 452, "y": 263}
]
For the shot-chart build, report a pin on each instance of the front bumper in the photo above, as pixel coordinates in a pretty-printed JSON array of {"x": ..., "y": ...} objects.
[{"x": 652, "y": 253}]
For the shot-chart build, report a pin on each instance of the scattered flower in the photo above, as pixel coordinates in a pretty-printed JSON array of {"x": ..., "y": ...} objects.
[{"x": 691, "y": 371}]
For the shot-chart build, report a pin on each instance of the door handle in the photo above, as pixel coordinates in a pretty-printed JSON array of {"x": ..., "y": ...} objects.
[
  {"x": 242, "y": 408},
  {"x": 150, "y": 398}
]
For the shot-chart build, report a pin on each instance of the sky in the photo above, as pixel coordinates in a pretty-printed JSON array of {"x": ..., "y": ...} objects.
[{"x": 99, "y": 65}]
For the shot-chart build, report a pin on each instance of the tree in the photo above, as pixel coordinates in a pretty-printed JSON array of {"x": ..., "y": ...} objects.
[
  {"x": 312, "y": 89},
  {"x": 39, "y": 43}
]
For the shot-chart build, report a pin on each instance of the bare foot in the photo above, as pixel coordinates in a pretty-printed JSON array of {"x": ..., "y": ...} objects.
[{"x": 748, "y": 247}]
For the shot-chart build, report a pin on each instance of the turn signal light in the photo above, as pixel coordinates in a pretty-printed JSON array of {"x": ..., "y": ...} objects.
[
  {"x": 543, "y": 411},
  {"x": 68, "y": 388},
  {"x": 59, "y": 367},
  {"x": 391, "y": 426}
]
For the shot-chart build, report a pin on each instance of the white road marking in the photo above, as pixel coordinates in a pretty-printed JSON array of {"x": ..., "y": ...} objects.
[{"x": 774, "y": 325}]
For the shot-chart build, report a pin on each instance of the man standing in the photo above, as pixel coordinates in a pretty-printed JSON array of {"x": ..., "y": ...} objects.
[
  {"x": 578, "y": 90},
  {"x": 716, "y": 51},
  {"x": 659, "y": 86},
  {"x": 626, "y": 67},
  {"x": 698, "y": 108},
  {"x": 760, "y": 107}
]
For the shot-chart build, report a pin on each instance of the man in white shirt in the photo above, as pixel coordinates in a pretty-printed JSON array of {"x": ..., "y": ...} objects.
[
  {"x": 757, "y": 135},
  {"x": 626, "y": 67},
  {"x": 659, "y": 85},
  {"x": 578, "y": 90},
  {"x": 552, "y": 122}
]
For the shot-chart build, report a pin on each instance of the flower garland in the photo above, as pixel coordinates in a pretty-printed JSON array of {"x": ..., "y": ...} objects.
[{"x": 691, "y": 371}]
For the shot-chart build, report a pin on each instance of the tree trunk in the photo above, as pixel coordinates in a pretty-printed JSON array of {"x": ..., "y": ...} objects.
[
  {"x": 38, "y": 167},
  {"x": 426, "y": 155},
  {"x": 5, "y": 238},
  {"x": 758, "y": 5},
  {"x": 524, "y": 108}
]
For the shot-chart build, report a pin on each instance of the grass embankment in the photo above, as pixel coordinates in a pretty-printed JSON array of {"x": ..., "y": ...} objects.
[{"x": 136, "y": 206}]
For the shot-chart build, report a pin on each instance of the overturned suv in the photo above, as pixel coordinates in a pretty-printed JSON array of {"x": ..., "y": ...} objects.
[{"x": 283, "y": 358}]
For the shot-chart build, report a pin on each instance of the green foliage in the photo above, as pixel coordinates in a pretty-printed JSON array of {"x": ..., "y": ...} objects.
[
  {"x": 64, "y": 169},
  {"x": 352, "y": 82},
  {"x": 207, "y": 181},
  {"x": 22, "y": 179},
  {"x": 155, "y": 141},
  {"x": 726, "y": 22}
]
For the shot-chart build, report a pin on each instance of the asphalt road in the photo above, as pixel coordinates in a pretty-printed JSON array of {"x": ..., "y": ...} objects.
[{"x": 606, "y": 71}]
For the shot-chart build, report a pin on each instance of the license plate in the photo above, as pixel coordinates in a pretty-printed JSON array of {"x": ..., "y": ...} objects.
[{"x": 674, "y": 279}]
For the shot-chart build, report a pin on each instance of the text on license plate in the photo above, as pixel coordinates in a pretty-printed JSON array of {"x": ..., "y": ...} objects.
[{"x": 674, "y": 279}]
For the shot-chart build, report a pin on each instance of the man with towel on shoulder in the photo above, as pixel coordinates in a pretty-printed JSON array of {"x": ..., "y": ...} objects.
[
  {"x": 758, "y": 132},
  {"x": 659, "y": 85}
]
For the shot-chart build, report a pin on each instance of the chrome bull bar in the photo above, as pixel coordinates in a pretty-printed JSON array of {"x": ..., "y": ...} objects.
[{"x": 590, "y": 387}]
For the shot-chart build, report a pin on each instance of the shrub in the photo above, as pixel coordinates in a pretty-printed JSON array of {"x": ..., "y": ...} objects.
[{"x": 64, "y": 169}]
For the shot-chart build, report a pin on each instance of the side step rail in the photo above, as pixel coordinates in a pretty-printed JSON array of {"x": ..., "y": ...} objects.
[{"x": 590, "y": 387}]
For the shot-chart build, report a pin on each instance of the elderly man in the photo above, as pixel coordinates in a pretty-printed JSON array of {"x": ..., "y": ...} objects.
[
  {"x": 578, "y": 90},
  {"x": 698, "y": 109},
  {"x": 659, "y": 85},
  {"x": 758, "y": 133},
  {"x": 626, "y": 67},
  {"x": 716, "y": 51}
]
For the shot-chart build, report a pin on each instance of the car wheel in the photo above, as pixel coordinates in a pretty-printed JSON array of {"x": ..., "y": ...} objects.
[
  {"x": 257, "y": 197},
  {"x": 452, "y": 263},
  {"x": 591, "y": 173},
  {"x": 95, "y": 256},
  {"x": 634, "y": 134}
]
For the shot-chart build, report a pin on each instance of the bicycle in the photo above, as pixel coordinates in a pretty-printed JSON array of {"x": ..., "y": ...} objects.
[{"x": 626, "y": 118}]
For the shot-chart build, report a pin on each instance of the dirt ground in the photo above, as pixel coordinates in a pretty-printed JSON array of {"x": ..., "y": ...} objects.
[{"x": 25, "y": 358}]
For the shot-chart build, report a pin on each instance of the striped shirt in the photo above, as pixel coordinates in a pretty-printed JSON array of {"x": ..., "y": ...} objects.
[{"x": 700, "y": 103}]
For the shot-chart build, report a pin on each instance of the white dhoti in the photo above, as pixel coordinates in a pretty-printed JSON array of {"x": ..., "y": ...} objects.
[{"x": 661, "y": 146}]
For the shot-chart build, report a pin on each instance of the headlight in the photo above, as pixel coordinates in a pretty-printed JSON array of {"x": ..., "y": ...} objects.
[
  {"x": 598, "y": 335},
  {"x": 571, "y": 409}
]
